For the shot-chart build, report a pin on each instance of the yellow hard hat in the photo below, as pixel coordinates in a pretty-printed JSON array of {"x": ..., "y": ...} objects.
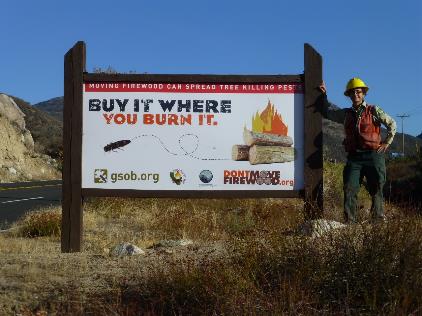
[{"x": 355, "y": 83}]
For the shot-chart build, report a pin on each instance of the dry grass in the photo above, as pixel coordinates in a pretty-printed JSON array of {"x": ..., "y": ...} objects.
[
  {"x": 145, "y": 222},
  {"x": 244, "y": 260}
]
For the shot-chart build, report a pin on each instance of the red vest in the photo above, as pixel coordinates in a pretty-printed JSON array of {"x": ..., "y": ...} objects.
[{"x": 365, "y": 134}]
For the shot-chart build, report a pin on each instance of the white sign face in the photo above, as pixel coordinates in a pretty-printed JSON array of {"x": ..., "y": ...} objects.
[{"x": 170, "y": 136}]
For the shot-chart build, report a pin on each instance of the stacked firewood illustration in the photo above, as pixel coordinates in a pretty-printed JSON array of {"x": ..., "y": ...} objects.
[
  {"x": 262, "y": 148},
  {"x": 267, "y": 142}
]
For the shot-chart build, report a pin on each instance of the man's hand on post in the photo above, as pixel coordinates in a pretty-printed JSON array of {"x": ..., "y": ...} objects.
[{"x": 323, "y": 88}]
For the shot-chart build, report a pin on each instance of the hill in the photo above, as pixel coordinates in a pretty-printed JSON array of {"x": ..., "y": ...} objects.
[
  {"x": 54, "y": 107},
  {"x": 46, "y": 130}
]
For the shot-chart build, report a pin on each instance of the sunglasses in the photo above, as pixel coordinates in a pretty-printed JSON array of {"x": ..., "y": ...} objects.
[{"x": 357, "y": 92}]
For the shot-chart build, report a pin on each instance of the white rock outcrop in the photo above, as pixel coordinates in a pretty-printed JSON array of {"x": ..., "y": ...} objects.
[
  {"x": 18, "y": 161},
  {"x": 10, "y": 110}
]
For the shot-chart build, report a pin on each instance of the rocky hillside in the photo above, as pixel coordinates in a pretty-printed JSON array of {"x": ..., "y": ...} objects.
[
  {"x": 333, "y": 135},
  {"x": 46, "y": 130},
  {"x": 19, "y": 160}
]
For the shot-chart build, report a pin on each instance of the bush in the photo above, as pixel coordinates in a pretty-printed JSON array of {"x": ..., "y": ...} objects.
[
  {"x": 404, "y": 182},
  {"x": 360, "y": 269},
  {"x": 40, "y": 223}
]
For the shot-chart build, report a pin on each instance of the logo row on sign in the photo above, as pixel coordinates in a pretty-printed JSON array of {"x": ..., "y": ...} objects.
[{"x": 178, "y": 177}]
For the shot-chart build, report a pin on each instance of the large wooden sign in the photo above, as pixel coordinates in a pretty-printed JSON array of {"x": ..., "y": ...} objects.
[{"x": 189, "y": 136}]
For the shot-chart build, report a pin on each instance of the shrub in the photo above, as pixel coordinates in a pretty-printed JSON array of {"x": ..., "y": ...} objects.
[
  {"x": 404, "y": 182},
  {"x": 361, "y": 269},
  {"x": 40, "y": 223}
]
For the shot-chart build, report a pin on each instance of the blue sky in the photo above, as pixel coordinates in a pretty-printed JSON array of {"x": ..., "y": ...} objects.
[{"x": 379, "y": 41}]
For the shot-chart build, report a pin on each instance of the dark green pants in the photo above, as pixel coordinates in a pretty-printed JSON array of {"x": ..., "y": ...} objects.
[{"x": 371, "y": 165}]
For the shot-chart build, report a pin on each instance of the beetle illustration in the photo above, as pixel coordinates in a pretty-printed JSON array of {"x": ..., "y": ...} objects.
[{"x": 116, "y": 145}]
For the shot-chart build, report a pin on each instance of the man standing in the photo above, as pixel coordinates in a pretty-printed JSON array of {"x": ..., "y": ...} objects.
[{"x": 365, "y": 150}]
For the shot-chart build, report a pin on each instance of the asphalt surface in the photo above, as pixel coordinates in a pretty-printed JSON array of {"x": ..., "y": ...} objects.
[{"x": 16, "y": 199}]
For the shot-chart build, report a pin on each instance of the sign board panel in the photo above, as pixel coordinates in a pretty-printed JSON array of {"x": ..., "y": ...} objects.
[
  {"x": 194, "y": 136},
  {"x": 191, "y": 136}
]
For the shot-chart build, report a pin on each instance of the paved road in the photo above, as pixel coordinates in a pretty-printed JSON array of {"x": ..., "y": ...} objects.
[{"x": 16, "y": 199}]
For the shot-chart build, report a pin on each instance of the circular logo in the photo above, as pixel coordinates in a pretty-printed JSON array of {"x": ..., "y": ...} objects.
[
  {"x": 177, "y": 176},
  {"x": 205, "y": 176}
]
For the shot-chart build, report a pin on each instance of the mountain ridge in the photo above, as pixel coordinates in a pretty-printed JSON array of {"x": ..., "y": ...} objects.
[{"x": 54, "y": 107}]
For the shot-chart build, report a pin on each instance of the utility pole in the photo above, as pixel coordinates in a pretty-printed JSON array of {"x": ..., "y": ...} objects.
[{"x": 402, "y": 132}]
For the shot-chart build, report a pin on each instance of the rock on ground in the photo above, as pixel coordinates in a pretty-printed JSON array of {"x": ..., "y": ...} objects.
[
  {"x": 126, "y": 249},
  {"x": 317, "y": 228}
]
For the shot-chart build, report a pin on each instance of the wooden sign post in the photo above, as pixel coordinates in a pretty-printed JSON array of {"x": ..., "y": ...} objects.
[
  {"x": 307, "y": 169},
  {"x": 313, "y": 133},
  {"x": 72, "y": 215}
]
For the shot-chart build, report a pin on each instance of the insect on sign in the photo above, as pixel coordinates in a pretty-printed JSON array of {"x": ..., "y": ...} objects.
[{"x": 116, "y": 145}]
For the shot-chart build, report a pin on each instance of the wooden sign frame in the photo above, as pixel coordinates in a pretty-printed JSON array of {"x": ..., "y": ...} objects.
[{"x": 74, "y": 77}]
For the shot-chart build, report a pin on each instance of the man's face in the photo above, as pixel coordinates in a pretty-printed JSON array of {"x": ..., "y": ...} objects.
[{"x": 356, "y": 95}]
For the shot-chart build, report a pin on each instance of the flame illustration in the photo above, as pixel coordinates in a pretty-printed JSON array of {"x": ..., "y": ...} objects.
[{"x": 269, "y": 121}]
